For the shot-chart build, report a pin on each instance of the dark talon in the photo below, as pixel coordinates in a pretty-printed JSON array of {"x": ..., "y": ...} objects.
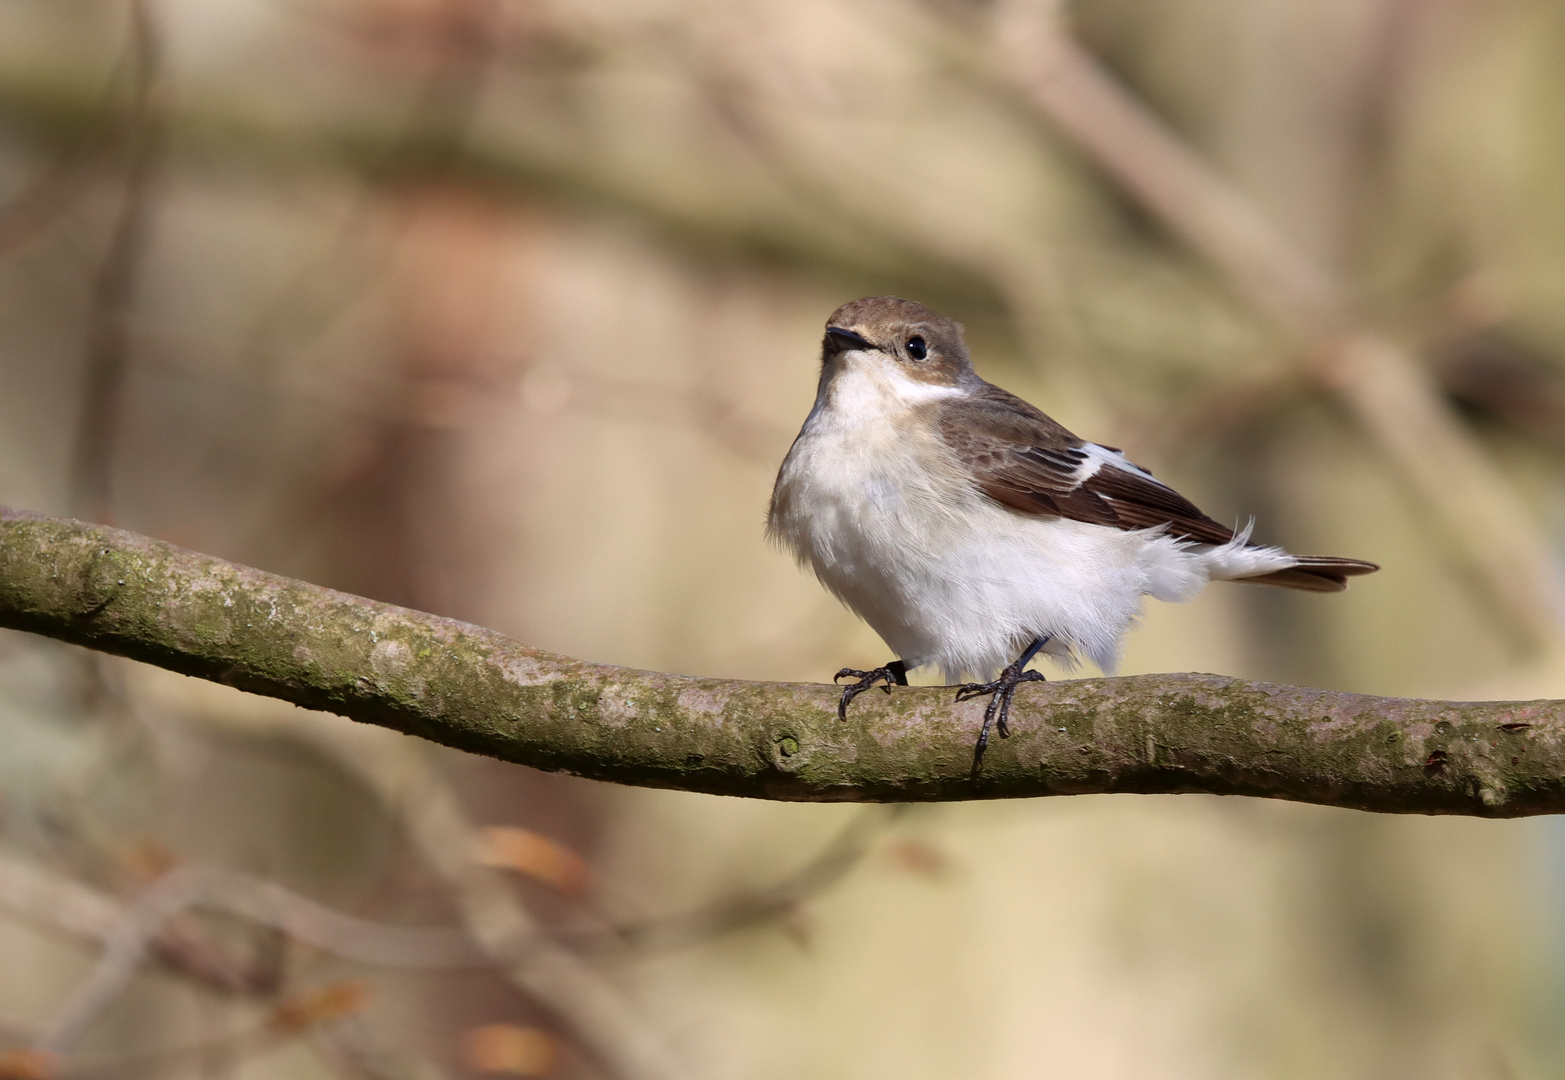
[
  {"x": 1002, "y": 690},
  {"x": 893, "y": 674}
]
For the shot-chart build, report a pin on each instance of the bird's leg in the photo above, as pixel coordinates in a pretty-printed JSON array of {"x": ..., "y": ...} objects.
[
  {"x": 1001, "y": 691},
  {"x": 894, "y": 673}
]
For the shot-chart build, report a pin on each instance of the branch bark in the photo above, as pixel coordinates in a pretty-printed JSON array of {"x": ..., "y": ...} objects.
[{"x": 469, "y": 687}]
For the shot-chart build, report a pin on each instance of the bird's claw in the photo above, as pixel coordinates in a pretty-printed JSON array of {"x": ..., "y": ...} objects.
[
  {"x": 998, "y": 711},
  {"x": 892, "y": 674}
]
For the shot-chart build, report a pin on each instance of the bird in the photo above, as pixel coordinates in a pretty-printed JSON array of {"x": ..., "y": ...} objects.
[{"x": 972, "y": 531}]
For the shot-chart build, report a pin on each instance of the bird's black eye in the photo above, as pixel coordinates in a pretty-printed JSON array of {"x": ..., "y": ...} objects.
[{"x": 915, "y": 348}]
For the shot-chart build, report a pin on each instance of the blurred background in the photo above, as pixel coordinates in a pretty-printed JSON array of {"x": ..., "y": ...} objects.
[{"x": 508, "y": 310}]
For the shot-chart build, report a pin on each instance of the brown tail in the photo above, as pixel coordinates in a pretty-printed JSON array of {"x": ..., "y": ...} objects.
[{"x": 1316, "y": 573}]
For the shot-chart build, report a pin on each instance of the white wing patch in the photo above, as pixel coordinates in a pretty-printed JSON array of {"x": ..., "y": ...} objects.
[{"x": 1099, "y": 456}]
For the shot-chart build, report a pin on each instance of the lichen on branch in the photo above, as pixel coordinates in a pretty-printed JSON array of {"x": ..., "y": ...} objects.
[{"x": 472, "y": 688}]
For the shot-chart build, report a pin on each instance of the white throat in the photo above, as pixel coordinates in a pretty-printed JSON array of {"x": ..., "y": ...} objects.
[{"x": 863, "y": 387}]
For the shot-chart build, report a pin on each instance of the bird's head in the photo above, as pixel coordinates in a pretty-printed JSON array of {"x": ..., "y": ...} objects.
[{"x": 898, "y": 336}]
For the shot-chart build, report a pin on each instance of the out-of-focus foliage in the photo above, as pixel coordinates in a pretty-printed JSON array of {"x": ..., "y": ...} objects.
[{"x": 507, "y": 309}]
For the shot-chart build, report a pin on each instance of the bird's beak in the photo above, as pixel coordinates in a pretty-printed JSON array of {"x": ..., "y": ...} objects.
[{"x": 840, "y": 340}]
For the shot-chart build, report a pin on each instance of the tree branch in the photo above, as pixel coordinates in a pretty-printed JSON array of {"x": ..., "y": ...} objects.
[{"x": 472, "y": 688}]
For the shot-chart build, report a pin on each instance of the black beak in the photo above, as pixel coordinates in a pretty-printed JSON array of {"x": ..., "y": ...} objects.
[{"x": 840, "y": 340}]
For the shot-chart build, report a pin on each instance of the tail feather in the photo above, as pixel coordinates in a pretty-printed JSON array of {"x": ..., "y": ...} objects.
[{"x": 1315, "y": 573}]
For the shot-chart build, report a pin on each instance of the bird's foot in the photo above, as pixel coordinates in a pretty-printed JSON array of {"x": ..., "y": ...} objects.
[
  {"x": 999, "y": 710},
  {"x": 892, "y": 674}
]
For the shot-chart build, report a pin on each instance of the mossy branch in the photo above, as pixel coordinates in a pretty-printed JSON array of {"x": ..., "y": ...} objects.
[{"x": 472, "y": 688}]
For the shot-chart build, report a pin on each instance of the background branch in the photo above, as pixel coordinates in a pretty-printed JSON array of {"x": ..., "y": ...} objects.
[
  {"x": 108, "y": 324},
  {"x": 1380, "y": 382},
  {"x": 472, "y": 688},
  {"x": 604, "y": 1022},
  {"x": 134, "y": 930}
]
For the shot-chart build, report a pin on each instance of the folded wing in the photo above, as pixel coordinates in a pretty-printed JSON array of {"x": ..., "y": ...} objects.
[{"x": 1025, "y": 460}]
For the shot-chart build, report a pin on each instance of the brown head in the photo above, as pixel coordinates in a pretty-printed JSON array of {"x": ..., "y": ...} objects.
[{"x": 918, "y": 343}]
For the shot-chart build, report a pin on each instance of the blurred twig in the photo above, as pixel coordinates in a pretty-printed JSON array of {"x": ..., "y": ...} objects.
[
  {"x": 1488, "y": 372},
  {"x": 429, "y": 146},
  {"x": 108, "y": 321},
  {"x": 129, "y": 933},
  {"x": 606, "y": 1025},
  {"x": 356, "y": 1053},
  {"x": 522, "y": 950},
  {"x": 58, "y": 184},
  {"x": 321, "y": 1011},
  {"x": 56, "y": 900},
  {"x": 846, "y": 850},
  {"x": 1392, "y": 396},
  {"x": 1139, "y": 151},
  {"x": 209, "y": 130}
]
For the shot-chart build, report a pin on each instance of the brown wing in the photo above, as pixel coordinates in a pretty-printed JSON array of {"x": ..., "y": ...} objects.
[{"x": 1023, "y": 459}]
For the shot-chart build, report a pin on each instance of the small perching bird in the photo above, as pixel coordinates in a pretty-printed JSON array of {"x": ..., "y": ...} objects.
[{"x": 973, "y": 532}]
